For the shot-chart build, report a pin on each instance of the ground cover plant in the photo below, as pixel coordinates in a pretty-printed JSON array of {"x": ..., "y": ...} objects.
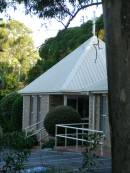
[{"x": 14, "y": 150}]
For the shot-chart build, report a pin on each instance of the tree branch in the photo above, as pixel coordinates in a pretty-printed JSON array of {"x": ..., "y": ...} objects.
[
  {"x": 60, "y": 22},
  {"x": 78, "y": 10},
  {"x": 65, "y": 10}
]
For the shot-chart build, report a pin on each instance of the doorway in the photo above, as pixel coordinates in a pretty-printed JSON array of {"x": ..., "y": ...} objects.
[{"x": 80, "y": 104}]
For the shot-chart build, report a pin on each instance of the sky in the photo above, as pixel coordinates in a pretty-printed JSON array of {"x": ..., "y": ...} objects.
[{"x": 43, "y": 29}]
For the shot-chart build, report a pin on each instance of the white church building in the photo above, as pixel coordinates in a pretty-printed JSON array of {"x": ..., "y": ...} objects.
[{"x": 78, "y": 80}]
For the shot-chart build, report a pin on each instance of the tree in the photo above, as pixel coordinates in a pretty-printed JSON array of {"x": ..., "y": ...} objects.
[
  {"x": 17, "y": 54},
  {"x": 117, "y": 27}
]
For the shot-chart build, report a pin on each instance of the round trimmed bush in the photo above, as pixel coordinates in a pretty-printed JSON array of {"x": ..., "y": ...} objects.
[{"x": 60, "y": 115}]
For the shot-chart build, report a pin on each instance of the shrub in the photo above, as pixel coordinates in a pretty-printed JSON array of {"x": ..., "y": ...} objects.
[
  {"x": 60, "y": 115},
  {"x": 17, "y": 141},
  {"x": 15, "y": 148},
  {"x": 16, "y": 114},
  {"x": 6, "y": 104},
  {"x": 89, "y": 156}
]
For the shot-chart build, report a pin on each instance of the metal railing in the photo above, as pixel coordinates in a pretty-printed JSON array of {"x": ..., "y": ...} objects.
[
  {"x": 77, "y": 135},
  {"x": 32, "y": 130}
]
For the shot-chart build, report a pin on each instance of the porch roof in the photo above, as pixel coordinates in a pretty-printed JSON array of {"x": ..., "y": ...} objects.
[{"x": 84, "y": 69}]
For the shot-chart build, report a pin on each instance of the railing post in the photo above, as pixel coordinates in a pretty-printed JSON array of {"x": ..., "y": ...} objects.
[
  {"x": 77, "y": 139},
  {"x": 82, "y": 133},
  {"x": 26, "y": 133},
  {"x": 56, "y": 127},
  {"x": 40, "y": 139},
  {"x": 102, "y": 141},
  {"x": 65, "y": 137},
  {"x": 101, "y": 149}
]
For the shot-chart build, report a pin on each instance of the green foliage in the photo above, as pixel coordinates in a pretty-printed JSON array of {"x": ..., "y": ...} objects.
[
  {"x": 3, "y": 93},
  {"x": 15, "y": 148},
  {"x": 7, "y": 119},
  {"x": 92, "y": 142},
  {"x": 60, "y": 115},
  {"x": 100, "y": 28},
  {"x": 14, "y": 161},
  {"x": 17, "y": 141},
  {"x": 65, "y": 41},
  {"x": 16, "y": 114},
  {"x": 54, "y": 49},
  {"x": 17, "y": 54},
  {"x": 13, "y": 140},
  {"x": 99, "y": 24},
  {"x": 3, "y": 5},
  {"x": 57, "y": 9}
]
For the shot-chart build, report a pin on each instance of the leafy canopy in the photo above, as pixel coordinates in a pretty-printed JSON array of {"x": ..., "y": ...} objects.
[
  {"x": 58, "y": 9},
  {"x": 17, "y": 54}
]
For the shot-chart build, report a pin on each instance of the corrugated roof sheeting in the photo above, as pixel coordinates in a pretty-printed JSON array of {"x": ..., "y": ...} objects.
[
  {"x": 91, "y": 69},
  {"x": 77, "y": 71}
]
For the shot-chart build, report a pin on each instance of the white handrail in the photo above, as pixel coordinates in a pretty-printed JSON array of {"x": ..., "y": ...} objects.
[
  {"x": 85, "y": 129},
  {"x": 75, "y": 136},
  {"x": 74, "y": 124},
  {"x": 35, "y": 131},
  {"x": 33, "y": 125},
  {"x": 84, "y": 140}
]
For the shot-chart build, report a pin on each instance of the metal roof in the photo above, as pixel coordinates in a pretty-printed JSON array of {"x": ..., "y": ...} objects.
[{"x": 84, "y": 69}]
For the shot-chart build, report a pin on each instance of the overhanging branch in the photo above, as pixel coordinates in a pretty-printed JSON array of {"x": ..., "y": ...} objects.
[{"x": 79, "y": 9}]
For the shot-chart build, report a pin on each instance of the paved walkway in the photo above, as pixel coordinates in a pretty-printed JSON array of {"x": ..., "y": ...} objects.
[
  {"x": 52, "y": 158},
  {"x": 64, "y": 160}
]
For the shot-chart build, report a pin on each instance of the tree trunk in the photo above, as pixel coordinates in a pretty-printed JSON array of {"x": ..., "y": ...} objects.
[{"x": 117, "y": 26}]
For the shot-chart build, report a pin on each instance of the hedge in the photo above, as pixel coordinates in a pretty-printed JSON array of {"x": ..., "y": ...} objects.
[{"x": 7, "y": 120}]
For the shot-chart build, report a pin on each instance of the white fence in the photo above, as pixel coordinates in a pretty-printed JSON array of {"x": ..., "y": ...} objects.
[{"x": 77, "y": 133}]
